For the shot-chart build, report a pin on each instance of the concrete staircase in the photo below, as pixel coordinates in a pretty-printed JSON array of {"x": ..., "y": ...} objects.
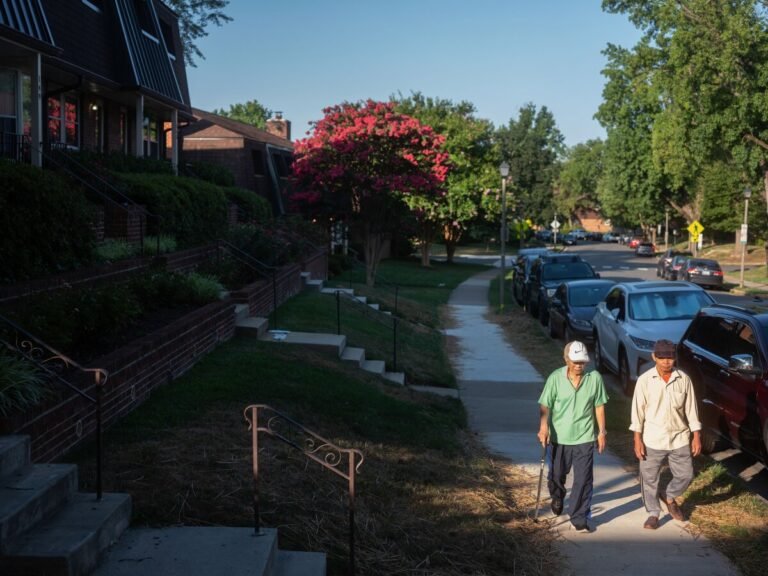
[
  {"x": 336, "y": 344},
  {"x": 47, "y": 528}
]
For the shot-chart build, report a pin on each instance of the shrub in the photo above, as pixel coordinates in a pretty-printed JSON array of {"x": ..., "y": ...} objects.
[
  {"x": 119, "y": 162},
  {"x": 193, "y": 211},
  {"x": 22, "y": 384},
  {"x": 253, "y": 208},
  {"x": 114, "y": 249},
  {"x": 45, "y": 222},
  {"x": 212, "y": 173}
]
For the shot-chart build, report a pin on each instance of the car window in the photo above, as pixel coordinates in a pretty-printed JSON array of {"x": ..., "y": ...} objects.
[
  {"x": 612, "y": 300},
  {"x": 743, "y": 342},
  {"x": 569, "y": 270},
  {"x": 672, "y": 305},
  {"x": 712, "y": 334},
  {"x": 587, "y": 295}
]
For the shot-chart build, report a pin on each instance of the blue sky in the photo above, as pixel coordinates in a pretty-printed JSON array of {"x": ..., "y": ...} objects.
[{"x": 299, "y": 56}]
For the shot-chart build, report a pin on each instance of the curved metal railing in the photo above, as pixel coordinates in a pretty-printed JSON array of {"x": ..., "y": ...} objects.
[
  {"x": 344, "y": 462},
  {"x": 56, "y": 366}
]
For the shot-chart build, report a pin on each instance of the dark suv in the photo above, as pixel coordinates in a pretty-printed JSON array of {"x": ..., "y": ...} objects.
[
  {"x": 725, "y": 352},
  {"x": 547, "y": 273}
]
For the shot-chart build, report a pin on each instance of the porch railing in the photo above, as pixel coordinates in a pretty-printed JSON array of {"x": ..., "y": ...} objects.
[
  {"x": 344, "y": 462},
  {"x": 15, "y": 147},
  {"x": 59, "y": 368}
]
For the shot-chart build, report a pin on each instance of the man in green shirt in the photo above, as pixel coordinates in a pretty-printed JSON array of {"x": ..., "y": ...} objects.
[{"x": 572, "y": 417}]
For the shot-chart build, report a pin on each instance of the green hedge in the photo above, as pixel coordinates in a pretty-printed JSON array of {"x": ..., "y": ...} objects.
[
  {"x": 45, "y": 223},
  {"x": 194, "y": 211},
  {"x": 253, "y": 207}
]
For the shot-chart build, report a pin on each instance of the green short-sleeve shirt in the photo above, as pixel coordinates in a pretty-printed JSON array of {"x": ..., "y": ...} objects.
[{"x": 572, "y": 410}]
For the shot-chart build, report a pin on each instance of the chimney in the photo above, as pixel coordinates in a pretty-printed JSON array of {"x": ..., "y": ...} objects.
[{"x": 279, "y": 127}]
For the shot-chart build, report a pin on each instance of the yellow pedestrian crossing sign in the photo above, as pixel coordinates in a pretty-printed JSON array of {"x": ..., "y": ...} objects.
[{"x": 695, "y": 228}]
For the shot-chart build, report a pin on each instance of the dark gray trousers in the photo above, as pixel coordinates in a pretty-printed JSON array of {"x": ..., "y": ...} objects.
[
  {"x": 681, "y": 466},
  {"x": 580, "y": 457}
]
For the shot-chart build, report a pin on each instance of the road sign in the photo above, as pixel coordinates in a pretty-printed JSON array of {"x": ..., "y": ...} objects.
[
  {"x": 744, "y": 229},
  {"x": 555, "y": 224},
  {"x": 695, "y": 228}
]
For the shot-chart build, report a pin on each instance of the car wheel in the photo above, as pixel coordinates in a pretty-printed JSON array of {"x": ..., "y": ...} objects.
[
  {"x": 543, "y": 313},
  {"x": 626, "y": 382},
  {"x": 599, "y": 364},
  {"x": 709, "y": 440}
]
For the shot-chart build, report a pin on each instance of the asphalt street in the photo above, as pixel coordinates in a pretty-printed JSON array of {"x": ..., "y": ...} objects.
[{"x": 619, "y": 263}]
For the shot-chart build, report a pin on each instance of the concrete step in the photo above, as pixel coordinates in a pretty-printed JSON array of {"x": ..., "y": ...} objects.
[
  {"x": 242, "y": 311},
  {"x": 191, "y": 551},
  {"x": 396, "y": 377},
  {"x": 352, "y": 354},
  {"x": 299, "y": 564},
  {"x": 313, "y": 284},
  {"x": 71, "y": 542},
  {"x": 374, "y": 306},
  {"x": 362, "y": 299},
  {"x": 347, "y": 291},
  {"x": 252, "y": 325},
  {"x": 32, "y": 494},
  {"x": 375, "y": 366},
  {"x": 14, "y": 454},
  {"x": 334, "y": 343},
  {"x": 438, "y": 390}
]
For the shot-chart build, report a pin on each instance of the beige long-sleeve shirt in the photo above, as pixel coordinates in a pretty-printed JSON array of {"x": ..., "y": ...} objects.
[{"x": 664, "y": 412}]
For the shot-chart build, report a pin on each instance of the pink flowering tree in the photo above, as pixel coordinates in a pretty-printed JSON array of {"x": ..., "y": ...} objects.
[{"x": 365, "y": 163}]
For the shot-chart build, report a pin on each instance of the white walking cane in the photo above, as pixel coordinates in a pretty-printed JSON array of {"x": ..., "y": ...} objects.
[{"x": 541, "y": 479}]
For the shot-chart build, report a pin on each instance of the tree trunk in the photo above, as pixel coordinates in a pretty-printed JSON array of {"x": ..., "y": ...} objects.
[
  {"x": 425, "y": 247},
  {"x": 372, "y": 248},
  {"x": 451, "y": 237},
  {"x": 450, "y": 251}
]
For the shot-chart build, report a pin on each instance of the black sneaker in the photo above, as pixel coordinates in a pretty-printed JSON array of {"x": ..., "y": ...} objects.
[
  {"x": 557, "y": 506},
  {"x": 581, "y": 527}
]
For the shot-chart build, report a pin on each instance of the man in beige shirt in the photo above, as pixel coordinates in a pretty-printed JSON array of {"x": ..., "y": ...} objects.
[{"x": 665, "y": 420}]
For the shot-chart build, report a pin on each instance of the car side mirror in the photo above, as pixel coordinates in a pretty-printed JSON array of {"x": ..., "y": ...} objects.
[{"x": 743, "y": 364}]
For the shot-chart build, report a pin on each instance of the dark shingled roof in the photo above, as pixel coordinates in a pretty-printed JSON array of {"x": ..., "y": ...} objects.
[{"x": 243, "y": 129}]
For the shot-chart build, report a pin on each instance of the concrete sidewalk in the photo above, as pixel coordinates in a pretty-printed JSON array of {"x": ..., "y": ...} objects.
[{"x": 500, "y": 391}]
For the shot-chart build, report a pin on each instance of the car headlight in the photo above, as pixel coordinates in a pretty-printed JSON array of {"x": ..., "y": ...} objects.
[
  {"x": 551, "y": 292},
  {"x": 642, "y": 343},
  {"x": 581, "y": 323}
]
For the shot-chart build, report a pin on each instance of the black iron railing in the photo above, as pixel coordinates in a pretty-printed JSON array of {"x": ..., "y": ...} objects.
[
  {"x": 358, "y": 267},
  {"x": 263, "y": 270},
  {"x": 59, "y": 368},
  {"x": 344, "y": 462},
  {"x": 57, "y": 157},
  {"x": 15, "y": 147}
]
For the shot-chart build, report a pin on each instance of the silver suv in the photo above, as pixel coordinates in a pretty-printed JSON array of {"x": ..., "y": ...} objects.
[{"x": 634, "y": 315}]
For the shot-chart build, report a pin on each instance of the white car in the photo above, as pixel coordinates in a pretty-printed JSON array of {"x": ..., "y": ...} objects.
[{"x": 633, "y": 316}]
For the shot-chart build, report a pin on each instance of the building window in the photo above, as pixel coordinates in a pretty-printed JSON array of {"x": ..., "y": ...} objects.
[
  {"x": 144, "y": 16},
  {"x": 8, "y": 96},
  {"x": 64, "y": 120},
  {"x": 151, "y": 148},
  {"x": 167, "y": 31}
]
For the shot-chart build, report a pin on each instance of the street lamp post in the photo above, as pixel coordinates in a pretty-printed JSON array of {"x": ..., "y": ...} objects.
[
  {"x": 744, "y": 230},
  {"x": 504, "y": 171},
  {"x": 666, "y": 229}
]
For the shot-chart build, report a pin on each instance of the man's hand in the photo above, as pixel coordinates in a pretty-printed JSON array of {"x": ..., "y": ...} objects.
[
  {"x": 600, "y": 443},
  {"x": 639, "y": 447},
  {"x": 696, "y": 444},
  {"x": 543, "y": 434}
]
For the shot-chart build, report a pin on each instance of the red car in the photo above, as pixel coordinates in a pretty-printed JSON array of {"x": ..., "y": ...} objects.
[{"x": 634, "y": 242}]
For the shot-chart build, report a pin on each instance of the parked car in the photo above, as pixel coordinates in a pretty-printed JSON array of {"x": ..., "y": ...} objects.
[
  {"x": 579, "y": 233},
  {"x": 673, "y": 272},
  {"x": 636, "y": 314},
  {"x": 569, "y": 239},
  {"x": 609, "y": 237},
  {"x": 645, "y": 249},
  {"x": 634, "y": 241},
  {"x": 665, "y": 262},
  {"x": 544, "y": 235},
  {"x": 704, "y": 272},
  {"x": 547, "y": 273},
  {"x": 572, "y": 307},
  {"x": 521, "y": 270},
  {"x": 725, "y": 352}
]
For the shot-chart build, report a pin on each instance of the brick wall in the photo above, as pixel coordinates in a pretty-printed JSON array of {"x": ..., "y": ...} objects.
[
  {"x": 124, "y": 222},
  {"x": 260, "y": 295},
  {"x": 316, "y": 264},
  {"x": 134, "y": 370}
]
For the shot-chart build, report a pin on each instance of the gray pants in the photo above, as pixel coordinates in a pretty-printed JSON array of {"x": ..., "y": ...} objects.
[{"x": 681, "y": 466}]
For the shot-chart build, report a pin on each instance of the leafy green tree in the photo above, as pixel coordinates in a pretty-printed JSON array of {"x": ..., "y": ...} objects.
[
  {"x": 532, "y": 145},
  {"x": 194, "y": 17},
  {"x": 579, "y": 176},
  {"x": 250, "y": 112},
  {"x": 468, "y": 141}
]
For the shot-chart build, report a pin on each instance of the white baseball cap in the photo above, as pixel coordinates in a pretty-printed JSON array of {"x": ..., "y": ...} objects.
[{"x": 577, "y": 352}]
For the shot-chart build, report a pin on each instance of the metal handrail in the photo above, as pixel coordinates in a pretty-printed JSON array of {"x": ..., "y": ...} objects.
[
  {"x": 54, "y": 363},
  {"x": 259, "y": 267},
  {"x": 314, "y": 447},
  {"x": 378, "y": 280},
  {"x": 122, "y": 198}
]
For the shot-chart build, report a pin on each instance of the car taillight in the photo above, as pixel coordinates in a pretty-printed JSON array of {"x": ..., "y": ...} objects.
[
  {"x": 718, "y": 272},
  {"x": 691, "y": 270}
]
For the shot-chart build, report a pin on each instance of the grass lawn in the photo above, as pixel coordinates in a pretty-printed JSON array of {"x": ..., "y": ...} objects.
[
  {"x": 719, "y": 505},
  {"x": 430, "y": 500}
]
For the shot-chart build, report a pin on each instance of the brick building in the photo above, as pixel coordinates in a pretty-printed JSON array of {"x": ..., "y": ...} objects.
[
  {"x": 102, "y": 75},
  {"x": 260, "y": 160}
]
